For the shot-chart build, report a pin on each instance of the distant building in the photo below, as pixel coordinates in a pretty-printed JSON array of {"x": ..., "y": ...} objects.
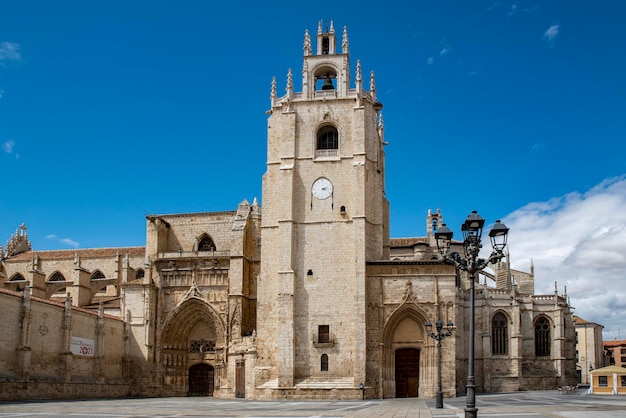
[
  {"x": 589, "y": 350},
  {"x": 608, "y": 380},
  {"x": 616, "y": 352},
  {"x": 306, "y": 298}
]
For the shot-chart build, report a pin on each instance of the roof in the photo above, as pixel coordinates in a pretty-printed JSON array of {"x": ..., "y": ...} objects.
[
  {"x": 579, "y": 321},
  {"x": 614, "y": 343},
  {"x": 84, "y": 253},
  {"x": 20, "y": 295},
  {"x": 407, "y": 242},
  {"x": 609, "y": 369}
]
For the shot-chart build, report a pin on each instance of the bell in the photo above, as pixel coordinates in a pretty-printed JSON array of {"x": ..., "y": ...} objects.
[{"x": 328, "y": 84}]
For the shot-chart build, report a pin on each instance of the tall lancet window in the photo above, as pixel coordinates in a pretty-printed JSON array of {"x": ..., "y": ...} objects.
[
  {"x": 542, "y": 337},
  {"x": 499, "y": 334}
]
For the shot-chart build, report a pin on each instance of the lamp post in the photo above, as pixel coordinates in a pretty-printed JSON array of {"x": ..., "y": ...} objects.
[
  {"x": 472, "y": 230},
  {"x": 439, "y": 336}
]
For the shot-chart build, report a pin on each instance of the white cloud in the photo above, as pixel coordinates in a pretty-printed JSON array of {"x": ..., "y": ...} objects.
[
  {"x": 444, "y": 51},
  {"x": 430, "y": 60},
  {"x": 579, "y": 241},
  {"x": 66, "y": 241},
  {"x": 9, "y": 51},
  {"x": 550, "y": 35},
  {"x": 8, "y": 146}
]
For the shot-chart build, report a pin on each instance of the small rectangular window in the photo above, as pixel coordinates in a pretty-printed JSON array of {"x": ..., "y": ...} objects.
[
  {"x": 323, "y": 333},
  {"x": 603, "y": 381},
  {"x": 623, "y": 380}
]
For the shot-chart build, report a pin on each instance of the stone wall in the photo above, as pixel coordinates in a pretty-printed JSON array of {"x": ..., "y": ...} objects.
[{"x": 40, "y": 354}]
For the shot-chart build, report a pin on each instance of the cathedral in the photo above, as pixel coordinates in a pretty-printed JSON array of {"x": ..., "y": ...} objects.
[{"x": 304, "y": 297}]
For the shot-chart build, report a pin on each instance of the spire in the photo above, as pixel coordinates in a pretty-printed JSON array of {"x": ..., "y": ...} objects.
[
  {"x": 273, "y": 92},
  {"x": 289, "y": 85},
  {"x": 373, "y": 86},
  {"x": 308, "y": 50},
  {"x": 359, "y": 84},
  {"x": 344, "y": 41}
]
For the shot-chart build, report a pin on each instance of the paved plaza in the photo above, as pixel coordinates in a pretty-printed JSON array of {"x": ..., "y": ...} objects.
[{"x": 535, "y": 404}]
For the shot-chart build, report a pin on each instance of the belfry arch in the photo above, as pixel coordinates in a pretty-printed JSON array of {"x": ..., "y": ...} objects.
[
  {"x": 193, "y": 335},
  {"x": 405, "y": 354}
]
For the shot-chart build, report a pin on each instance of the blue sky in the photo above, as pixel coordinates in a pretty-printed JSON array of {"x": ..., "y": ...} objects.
[{"x": 113, "y": 110}]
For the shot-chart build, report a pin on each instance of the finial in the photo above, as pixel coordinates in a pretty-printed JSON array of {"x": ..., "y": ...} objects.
[
  {"x": 344, "y": 41},
  {"x": 373, "y": 86},
  {"x": 332, "y": 27},
  {"x": 273, "y": 91},
  {"x": 319, "y": 27},
  {"x": 381, "y": 124},
  {"x": 289, "y": 82},
  {"x": 307, "y": 44},
  {"x": 359, "y": 76}
]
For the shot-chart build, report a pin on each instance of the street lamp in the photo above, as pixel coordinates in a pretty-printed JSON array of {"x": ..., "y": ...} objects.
[
  {"x": 472, "y": 230},
  {"x": 439, "y": 336}
]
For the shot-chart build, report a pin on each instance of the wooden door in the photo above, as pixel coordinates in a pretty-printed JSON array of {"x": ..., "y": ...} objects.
[
  {"x": 240, "y": 379},
  {"x": 201, "y": 380},
  {"x": 407, "y": 372}
]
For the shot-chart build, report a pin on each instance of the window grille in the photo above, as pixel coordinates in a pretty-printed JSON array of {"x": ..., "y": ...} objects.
[
  {"x": 324, "y": 363},
  {"x": 327, "y": 138}
]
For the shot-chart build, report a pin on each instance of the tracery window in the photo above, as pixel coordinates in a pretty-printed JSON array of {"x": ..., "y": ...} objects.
[
  {"x": 328, "y": 138},
  {"x": 57, "y": 277},
  {"x": 17, "y": 277},
  {"x": 324, "y": 363},
  {"x": 499, "y": 334},
  {"x": 542, "y": 337},
  {"x": 206, "y": 244},
  {"x": 202, "y": 346},
  {"x": 139, "y": 274},
  {"x": 97, "y": 275}
]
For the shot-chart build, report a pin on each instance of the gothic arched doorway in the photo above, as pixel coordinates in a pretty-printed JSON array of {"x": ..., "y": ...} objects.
[
  {"x": 407, "y": 372},
  {"x": 201, "y": 380}
]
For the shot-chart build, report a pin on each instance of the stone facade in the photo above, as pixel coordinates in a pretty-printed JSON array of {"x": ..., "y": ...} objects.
[
  {"x": 589, "y": 351},
  {"x": 309, "y": 299}
]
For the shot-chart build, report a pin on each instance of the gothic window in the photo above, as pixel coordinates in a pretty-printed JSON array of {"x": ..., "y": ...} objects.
[
  {"x": 139, "y": 274},
  {"x": 17, "y": 277},
  {"x": 206, "y": 244},
  {"x": 202, "y": 346},
  {"x": 499, "y": 334},
  {"x": 97, "y": 275},
  {"x": 542, "y": 337},
  {"x": 327, "y": 139},
  {"x": 323, "y": 334},
  {"x": 56, "y": 277},
  {"x": 324, "y": 363}
]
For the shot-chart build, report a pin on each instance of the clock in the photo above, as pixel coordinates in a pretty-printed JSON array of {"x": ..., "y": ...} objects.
[{"x": 322, "y": 188}]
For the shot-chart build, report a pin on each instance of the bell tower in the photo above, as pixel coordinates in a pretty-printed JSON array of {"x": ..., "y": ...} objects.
[{"x": 325, "y": 215}]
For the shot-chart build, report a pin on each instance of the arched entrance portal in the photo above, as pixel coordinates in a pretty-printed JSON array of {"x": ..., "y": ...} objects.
[
  {"x": 405, "y": 354},
  {"x": 407, "y": 372},
  {"x": 201, "y": 380}
]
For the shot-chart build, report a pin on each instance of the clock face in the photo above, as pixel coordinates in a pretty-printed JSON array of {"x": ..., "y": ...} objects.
[{"x": 322, "y": 188}]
